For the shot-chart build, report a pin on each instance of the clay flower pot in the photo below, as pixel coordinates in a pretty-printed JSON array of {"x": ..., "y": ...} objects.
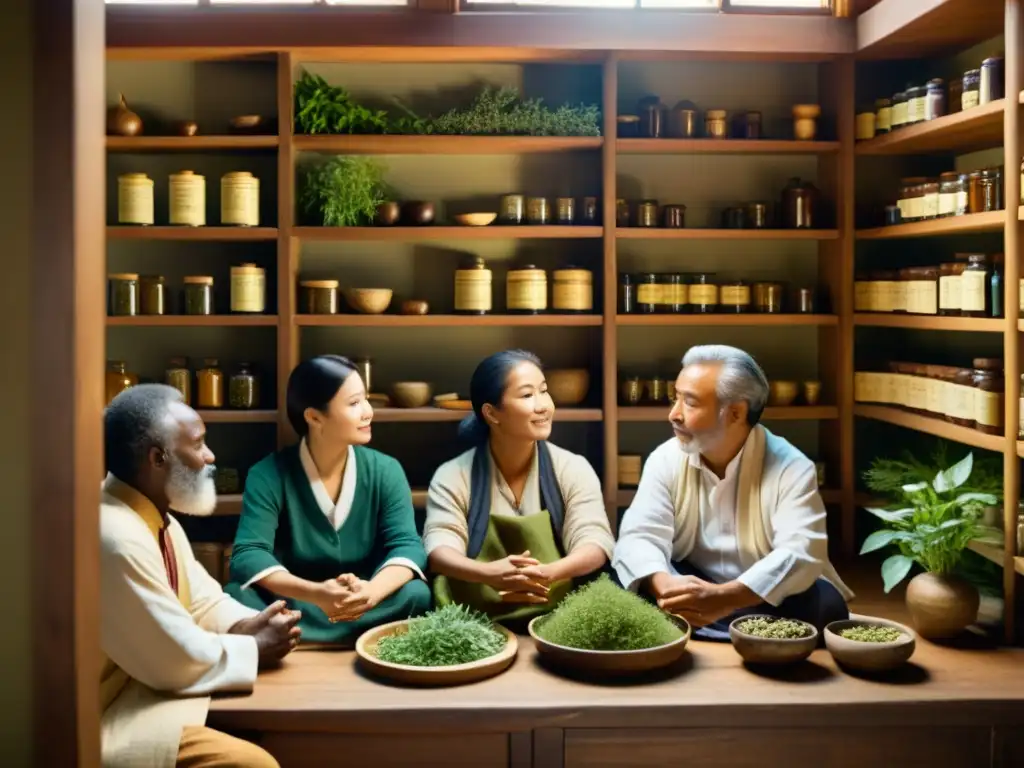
[{"x": 941, "y": 606}]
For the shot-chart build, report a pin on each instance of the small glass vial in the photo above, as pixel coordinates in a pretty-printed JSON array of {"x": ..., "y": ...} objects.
[
  {"x": 995, "y": 286},
  {"x": 198, "y": 295},
  {"x": 210, "y": 385},
  {"x": 627, "y": 294}
]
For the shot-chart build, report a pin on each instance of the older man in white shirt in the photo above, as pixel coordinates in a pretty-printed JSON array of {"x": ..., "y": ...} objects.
[{"x": 727, "y": 519}]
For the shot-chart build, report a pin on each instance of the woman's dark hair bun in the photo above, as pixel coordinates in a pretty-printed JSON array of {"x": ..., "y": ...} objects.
[
  {"x": 488, "y": 385},
  {"x": 313, "y": 384}
]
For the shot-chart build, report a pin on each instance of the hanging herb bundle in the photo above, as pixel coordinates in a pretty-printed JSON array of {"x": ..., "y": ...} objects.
[
  {"x": 503, "y": 112},
  {"x": 453, "y": 634},
  {"x": 342, "y": 191},
  {"x": 600, "y": 616}
]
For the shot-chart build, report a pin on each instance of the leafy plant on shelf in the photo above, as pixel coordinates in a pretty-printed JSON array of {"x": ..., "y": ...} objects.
[
  {"x": 503, "y": 111},
  {"x": 343, "y": 191},
  {"x": 324, "y": 108},
  {"x": 937, "y": 514}
]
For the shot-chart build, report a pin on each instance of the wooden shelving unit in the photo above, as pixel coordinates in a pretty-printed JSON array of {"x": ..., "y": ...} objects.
[
  {"x": 972, "y": 223},
  {"x": 446, "y": 145},
  {"x": 449, "y": 321},
  {"x": 195, "y": 234},
  {"x": 724, "y": 147},
  {"x": 931, "y": 426},
  {"x": 445, "y": 232},
  {"x": 967, "y": 131},
  {"x": 721, "y": 319},
  {"x": 639, "y": 233},
  {"x": 929, "y": 322},
  {"x": 189, "y": 143},
  {"x": 193, "y": 321}
]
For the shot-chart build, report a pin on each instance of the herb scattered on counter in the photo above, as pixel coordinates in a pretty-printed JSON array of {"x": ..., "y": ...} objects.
[
  {"x": 443, "y": 637},
  {"x": 600, "y": 616},
  {"x": 343, "y": 191},
  {"x": 774, "y": 629},
  {"x": 503, "y": 112},
  {"x": 871, "y": 634}
]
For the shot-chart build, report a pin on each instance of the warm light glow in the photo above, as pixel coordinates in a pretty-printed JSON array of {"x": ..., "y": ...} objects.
[
  {"x": 811, "y": 5},
  {"x": 152, "y": 2},
  {"x": 561, "y": 3},
  {"x": 700, "y": 5}
]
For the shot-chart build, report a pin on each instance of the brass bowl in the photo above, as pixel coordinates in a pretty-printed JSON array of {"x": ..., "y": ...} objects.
[
  {"x": 387, "y": 214},
  {"x": 411, "y": 394},
  {"x": 418, "y": 213},
  {"x": 475, "y": 219},
  {"x": 782, "y": 393},
  {"x": 246, "y": 122},
  {"x": 414, "y": 307},
  {"x": 368, "y": 301},
  {"x": 568, "y": 386}
]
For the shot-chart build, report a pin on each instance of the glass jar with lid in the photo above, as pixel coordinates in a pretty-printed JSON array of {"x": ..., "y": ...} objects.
[
  {"x": 950, "y": 303},
  {"x": 990, "y": 81},
  {"x": 974, "y": 286},
  {"x": 929, "y": 200},
  {"x": 910, "y": 202},
  {"x": 988, "y": 395},
  {"x": 899, "y": 110},
  {"x": 715, "y": 124},
  {"x": 703, "y": 293},
  {"x": 319, "y": 297},
  {"x": 899, "y": 290},
  {"x": 123, "y": 294},
  {"x": 768, "y": 298},
  {"x": 949, "y": 190},
  {"x": 970, "y": 97},
  {"x": 179, "y": 376},
  {"x": 955, "y": 95},
  {"x": 118, "y": 379},
  {"x": 734, "y": 297},
  {"x": 244, "y": 388},
  {"x": 647, "y": 213},
  {"x": 648, "y": 293},
  {"x": 883, "y": 115},
  {"x": 671, "y": 293},
  {"x": 210, "y": 385},
  {"x": 922, "y": 290},
  {"x": 935, "y": 99},
  {"x": 916, "y": 98},
  {"x": 992, "y": 188},
  {"x": 960, "y": 397},
  {"x": 198, "y": 295}
]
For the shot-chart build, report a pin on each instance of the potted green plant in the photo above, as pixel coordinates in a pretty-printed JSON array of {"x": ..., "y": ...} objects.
[{"x": 934, "y": 521}]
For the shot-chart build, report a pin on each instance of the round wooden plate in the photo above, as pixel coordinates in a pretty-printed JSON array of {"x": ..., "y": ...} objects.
[
  {"x": 612, "y": 662},
  {"x": 458, "y": 674}
]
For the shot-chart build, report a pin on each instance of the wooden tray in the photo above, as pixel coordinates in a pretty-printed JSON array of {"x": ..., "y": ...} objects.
[
  {"x": 458, "y": 674},
  {"x": 612, "y": 662}
]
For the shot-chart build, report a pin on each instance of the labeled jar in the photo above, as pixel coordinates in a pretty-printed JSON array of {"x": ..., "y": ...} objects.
[
  {"x": 989, "y": 388},
  {"x": 572, "y": 290},
  {"x": 198, "y": 295},
  {"x": 123, "y": 292},
  {"x": 991, "y": 80},
  {"x": 512, "y": 209},
  {"x": 319, "y": 297},
  {"x": 537, "y": 211},
  {"x": 899, "y": 295},
  {"x": 862, "y": 294},
  {"x": 991, "y": 187},
  {"x": 210, "y": 385},
  {"x": 916, "y": 99},
  {"x": 960, "y": 398},
  {"x": 682, "y": 121},
  {"x": 768, "y": 298},
  {"x": 949, "y": 191},
  {"x": 954, "y": 101},
  {"x": 118, "y": 379},
  {"x": 655, "y": 391},
  {"x": 970, "y": 97},
  {"x": 975, "y": 195},
  {"x": 950, "y": 302},
  {"x": 899, "y": 110},
  {"x": 735, "y": 297},
  {"x": 929, "y": 200},
  {"x": 883, "y": 115},
  {"x": 648, "y": 293},
  {"x": 653, "y": 116},
  {"x": 631, "y": 390},
  {"x": 864, "y": 125},
  {"x": 134, "y": 199},
  {"x": 179, "y": 376},
  {"x": 922, "y": 287},
  {"x": 473, "y": 288},
  {"x": 974, "y": 288},
  {"x": 910, "y": 200},
  {"x": 153, "y": 295},
  {"x": 565, "y": 210},
  {"x": 715, "y": 124},
  {"x": 673, "y": 216},
  {"x": 621, "y": 213},
  {"x": 244, "y": 388},
  {"x": 248, "y": 289},
  {"x": 806, "y": 301},
  {"x": 627, "y": 126},
  {"x": 526, "y": 290},
  {"x": 647, "y": 213},
  {"x": 703, "y": 290},
  {"x": 962, "y": 199},
  {"x": 673, "y": 293},
  {"x": 187, "y": 199},
  {"x": 239, "y": 199},
  {"x": 935, "y": 99},
  {"x": 757, "y": 215},
  {"x": 749, "y": 125},
  {"x": 588, "y": 211},
  {"x": 627, "y": 294}
]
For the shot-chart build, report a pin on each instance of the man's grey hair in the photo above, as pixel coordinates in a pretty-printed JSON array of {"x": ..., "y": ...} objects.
[
  {"x": 741, "y": 378},
  {"x": 137, "y": 420}
]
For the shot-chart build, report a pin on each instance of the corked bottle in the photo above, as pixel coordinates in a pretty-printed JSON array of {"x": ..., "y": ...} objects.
[
  {"x": 473, "y": 288},
  {"x": 526, "y": 290},
  {"x": 572, "y": 290},
  {"x": 988, "y": 383}
]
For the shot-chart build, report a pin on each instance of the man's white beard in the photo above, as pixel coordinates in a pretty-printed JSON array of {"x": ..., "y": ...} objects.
[
  {"x": 698, "y": 444},
  {"x": 189, "y": 491}
]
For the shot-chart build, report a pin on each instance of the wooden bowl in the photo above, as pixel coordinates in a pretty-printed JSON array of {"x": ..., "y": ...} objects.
[
  {"x": 418, "y": 213},
  {"x": 612, "y": 662},
  {"x": 475, "y": 219},
  {"x": 458, "y": 674},
  {"x": 455, "y": 405},
  {"x": 387, "y": 214},
  {"x": 782, "y": 393},
  {"x": 379, "y": 400},
  {"x": 411, "y": 394},
  {"x": 246, "y": 122},
  {"x": 766, "y": 650},
  {"x": 568, "y": 386},
  {"x": 869, "y": 657},
  {"x": 368, "y": 301},
  {"x": 414, "y": 307}
]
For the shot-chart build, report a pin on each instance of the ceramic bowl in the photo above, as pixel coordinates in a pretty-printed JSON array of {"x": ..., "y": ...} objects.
[
  {"x": 418, "y": 213},
  {"x": 869, "y": 657},
  {"x": 246, "y": 122},
  {"x": 475, "y": 219},
  {"x": 767, "y": 650},
  {"x": 411, "y": 394},
  {"x": 387, "y": 214},
  {"x": 368, "y": 301},
  {"x": 414, "y": 307},
  {"x": 782, "y": 393},
  {"x": 568, "y": 386}
]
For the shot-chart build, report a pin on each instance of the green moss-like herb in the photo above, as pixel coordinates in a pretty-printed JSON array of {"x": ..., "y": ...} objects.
[
  {"x": 503, "y": 112},
  {"x": 443, "y": 637},
  {"x": 600, "y": 616},
  {"x": 342, "y": 191},
  {"x": 871, "y": 634},
  {"x": 774, "y": 629}
]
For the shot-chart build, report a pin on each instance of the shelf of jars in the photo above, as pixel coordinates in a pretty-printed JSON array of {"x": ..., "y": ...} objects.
[
  {"x": 931, "y": 425},
  {"x": 929, "y": 322},
  {"x": 641, "y": 233},
  {"x": 640, "y": 413},
  {"x": 969, "y": 130},
  {"x": 196, "y": 321},
  {"x": 444, "y": 145},
  {"x": 669, "y": 146},
  {"x": 450, "y": 321},
  {"x": 142, "y": 144},
  {"x": 970, "y": 223},
  {"x": 442, "y": 232},
  {"x": 723, "y": 319},
  {"x": 208, "y": 233}
]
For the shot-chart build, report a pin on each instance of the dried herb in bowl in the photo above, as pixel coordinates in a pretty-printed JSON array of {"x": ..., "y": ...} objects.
[
  {"x": 601, "y": 616},
  {"x": 871, "y": 634},
  {"x": 443, "y": 637},
  {"x": 774, "y": 629}
]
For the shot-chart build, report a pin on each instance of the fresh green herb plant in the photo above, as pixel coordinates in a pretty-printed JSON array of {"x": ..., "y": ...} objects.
[
  {"x": 871, "y": 634},
  {"x": 503, "y": 112},
  {"x": 342, "y": 191},
  {"x": 601, "y": 616},
  {"x": 453, "y": 634},
  {"x": 936, "y": 519},
  {"x": 774, "y": 629},
  {"x": 324, "y": 108}
]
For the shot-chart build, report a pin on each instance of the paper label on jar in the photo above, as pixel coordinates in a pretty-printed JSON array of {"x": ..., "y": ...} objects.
[
  {"x": 961, "y": 203},
  {"x": 472, "y": 297},
  {"x": 930, "y": 205},
  {"x": 969, "y": 99},
  {"x": 903, "y": 205},
  {"x": 861, "y": 294},
  {"x": 899, "y": 296},
  {"x": 947, "y": 203},
  {"x": 574, "y": 296},
  {"x": 648, "y": 293},
  {"x": 899, "y": 114},
  {"x": 915, "y": 112},
  {"x": 922, "y": 297},
  {"x": 865, "y": 387},
  {"x": 949, "y": 292},
  {"x": 678, "y": 293},
  {"x": 960, "y": 402},
  {"x": 865, "y": 125},
  {"x": 917, "y": 391},
  {"x": 937, "y": 397},
  {"x": 884, "y": 290},
  {"x": 988, "y": 408},
  {"x": 915, "y": 207},
  {"x": 972, "y": 290},
  {"x": 899, "y": 389},
  {"x": 703, "y": 294},
  {"x": 735, "y": 295},
  {"x": 248, "y": 293},
  {"x": 883, "y": 119}
]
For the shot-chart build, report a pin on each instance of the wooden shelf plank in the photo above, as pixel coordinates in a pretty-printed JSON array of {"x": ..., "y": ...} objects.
[
  {"x": 992, "y": 221},
  {"x": 219, "y": 234},
  {"x": 967, "y": 131},
  {"x": 791, "y": 413},
  {"x": 446, "y": 145},
  {"x": 237, "y": 417},
  {"x": 929, "y": 322},
  {"x": 643, "y": 233},
  {"x": 443, "y": 232},
  {"x": 228, "y": 504},
  {"x": 896, "y": 29},
  {"x": 193, "y": 321},
  {"x": 189, "y": 143},
  {"x": 410, "y": 415},
  {"x": 721, "y": 319},
  {"x": 724, "y": 147},
  {"x": 931, "y": 426},
  {"x": 448, "y": 321},
  {"x": 625, "y": 496},
  {"x": 996, "y": 554}
]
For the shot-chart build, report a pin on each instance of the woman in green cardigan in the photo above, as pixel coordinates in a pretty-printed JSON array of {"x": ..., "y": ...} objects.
[
  {"x": 513, "y": 522},
  {"x": 328, "y": 524}
]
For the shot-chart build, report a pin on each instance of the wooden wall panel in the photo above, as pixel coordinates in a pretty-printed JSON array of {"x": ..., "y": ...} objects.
[{"x": 315, "y": 750}]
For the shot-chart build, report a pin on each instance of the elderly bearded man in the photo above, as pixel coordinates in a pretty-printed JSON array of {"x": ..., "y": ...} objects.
[
  {"x": 170, "y": 636},
  {"x": 727, "y": 519}
]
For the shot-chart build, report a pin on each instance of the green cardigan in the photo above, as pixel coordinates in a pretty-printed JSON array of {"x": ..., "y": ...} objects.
[{"x": 282, "y": 524}]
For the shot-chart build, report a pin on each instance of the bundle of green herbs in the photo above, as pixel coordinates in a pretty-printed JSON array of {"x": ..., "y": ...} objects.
[
  {"x": 871, "y": 634},
  {"x": 342, "y": 191},
  {"x": 774, "y": 629},
  {"x": 453, "y": 634},
  {"x": 600, "y": 616}
]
